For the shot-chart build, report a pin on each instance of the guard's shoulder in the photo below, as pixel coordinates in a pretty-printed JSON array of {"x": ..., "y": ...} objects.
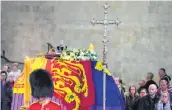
[
  {"x": 55, "y": 103},
  {"x": 33, "y": 104}
]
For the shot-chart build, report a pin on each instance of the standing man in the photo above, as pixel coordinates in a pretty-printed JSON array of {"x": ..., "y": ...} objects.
[
  {"x": 6, "y": 92},
  {"x": 150, "y": 101},
  {"x": 150, "y": 80},
  {"x": 116, "y": 80},
  {"x": 163, "y": 75},
  {"x": 42, "y": 88}
]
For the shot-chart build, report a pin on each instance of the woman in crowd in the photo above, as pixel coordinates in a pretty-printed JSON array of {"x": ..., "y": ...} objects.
[{"x": 132, "y": 98}]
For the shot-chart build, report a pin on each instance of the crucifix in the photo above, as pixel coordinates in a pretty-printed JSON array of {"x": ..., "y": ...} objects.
[{"x": 105, "y": 22}]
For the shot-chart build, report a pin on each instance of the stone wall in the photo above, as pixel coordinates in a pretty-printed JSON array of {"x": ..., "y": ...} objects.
[{"x": 141, "y": 43}]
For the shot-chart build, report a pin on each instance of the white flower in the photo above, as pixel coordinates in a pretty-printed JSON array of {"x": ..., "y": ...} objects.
[{"x": 78, "y": 54}]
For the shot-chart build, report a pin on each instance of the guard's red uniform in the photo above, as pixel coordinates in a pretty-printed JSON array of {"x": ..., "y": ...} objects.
[{"x": 49, "y": 106}]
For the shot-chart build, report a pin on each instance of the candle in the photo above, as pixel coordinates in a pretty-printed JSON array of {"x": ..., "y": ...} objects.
[
  {"x": 27, "y": 92},
  {"x": 91, "y": 47}
]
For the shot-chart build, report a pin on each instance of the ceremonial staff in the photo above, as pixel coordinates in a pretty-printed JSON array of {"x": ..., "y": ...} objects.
[{"x": 105, "y": 22}]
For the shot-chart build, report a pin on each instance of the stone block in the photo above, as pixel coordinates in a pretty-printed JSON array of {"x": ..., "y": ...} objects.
[{"x": 140, "y": 44}]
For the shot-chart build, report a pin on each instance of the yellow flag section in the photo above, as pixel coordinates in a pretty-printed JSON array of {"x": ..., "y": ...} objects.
[
  {"x": 22, "y": 85},
  {"x": 99, "y": 66}
]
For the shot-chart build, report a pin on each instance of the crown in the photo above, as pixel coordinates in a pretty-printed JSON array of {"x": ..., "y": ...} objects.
[{"x": 61, "y": 47}]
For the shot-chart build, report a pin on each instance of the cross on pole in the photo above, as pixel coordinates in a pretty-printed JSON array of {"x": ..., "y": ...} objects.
[{"x": 105, "y": 22}]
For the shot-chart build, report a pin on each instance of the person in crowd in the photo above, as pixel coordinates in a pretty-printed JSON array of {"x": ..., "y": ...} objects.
[
  {"x": 149, "y": 101},
  {"x": 6, "y": 68},
  {"x": 122, "y": 93},
  {"x": 42, "y": 88},
  {"x": 143, "y": 93},
  {"x": 164, "y": 103},
  {"x": 141, "y": 85},
  {"x": 162, "y": 74},
  {"x": 116, "y": 80},
  {"x": 15, "y": 71},
  {"x": 10, "y": 81},
  {"x": 131, "y": 98},
  {"x": 3, "y": 78},
  {"x": 122, "y": 85},
  {"x": 6, "y": 92},
  {"x": 170, "y": 93},
  {"x": 163, "y": 86},
  {"x": 150, "y": 80}
]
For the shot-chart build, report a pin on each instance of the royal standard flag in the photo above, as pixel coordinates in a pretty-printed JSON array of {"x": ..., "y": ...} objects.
[
  {"x": 73, "y": 83},
  {"x": 114, "y": 99}
]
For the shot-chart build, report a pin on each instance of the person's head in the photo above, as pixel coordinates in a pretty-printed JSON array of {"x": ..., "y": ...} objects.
[
  {"x": 116, "y": 80},
  {"x": 41, "y": 84},
  {"x": 149, "y": 76},
  {"x": 132, "y": 90},
  {"x": 11, "y": 77},
  {"x": 143, "y": 92},
  {"x": 120, "y": 81},
  {"x": 164, "y": 97},
  {"x": 152, "y": 89},
  {"x": 142, "y": 83},
  {"x": 161, "y": 72},
  {"x": 5, "y": 68},
  {"x": 3, "y": 75},
  {"x": 163, "y": 85},
  {"x": 14, "y": 66}
]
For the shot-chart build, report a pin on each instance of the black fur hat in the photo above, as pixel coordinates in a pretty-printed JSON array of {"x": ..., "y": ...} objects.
[{"x": 41, "y": 84}]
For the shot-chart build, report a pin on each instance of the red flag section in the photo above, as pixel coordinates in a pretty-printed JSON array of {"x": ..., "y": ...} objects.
[
  {"x": 72, "y": 83},
  {"x": 86, "y": 102}
]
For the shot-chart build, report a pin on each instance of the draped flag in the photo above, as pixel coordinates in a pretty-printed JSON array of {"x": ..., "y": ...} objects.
[
  {"x": 78, "y": 84},
  {"x": 114, "y": 99},
  {"x": 88, "y": 101},
  {"x": 73, "y": 83},
  {"x": 34, "y": 63}
]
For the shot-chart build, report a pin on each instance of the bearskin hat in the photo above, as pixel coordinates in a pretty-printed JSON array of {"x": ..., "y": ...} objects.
[{"x": 41, "y": 84}]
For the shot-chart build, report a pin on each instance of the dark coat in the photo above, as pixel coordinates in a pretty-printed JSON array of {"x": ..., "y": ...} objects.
[
  {"x": 147, "y": 103},
  {"x": 6, "y": 96},
  {"x": 130, "y": 102},
  {"x": 148, "y": 83},
  {"x": 136, "y": 105}
]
